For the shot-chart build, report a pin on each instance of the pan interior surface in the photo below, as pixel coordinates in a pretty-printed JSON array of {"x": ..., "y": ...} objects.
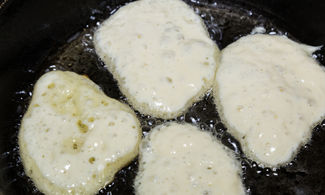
[{"x": 226, "y": 23}]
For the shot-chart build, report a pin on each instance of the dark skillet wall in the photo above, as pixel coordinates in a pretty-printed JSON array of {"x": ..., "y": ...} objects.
[
  {"x": 29, "y": 28},
  {"x": 305, "y": 19}
]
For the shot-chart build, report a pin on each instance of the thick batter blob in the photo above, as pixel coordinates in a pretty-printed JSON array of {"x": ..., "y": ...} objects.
[
  {"x": 160, "y": 53},
  {"x": 182, "y": 159},
  {"x": 271, "y": 92},
  {"x": 74, "y": 138}
]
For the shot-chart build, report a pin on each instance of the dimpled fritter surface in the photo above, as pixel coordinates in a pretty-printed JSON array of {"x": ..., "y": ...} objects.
[
  {"x": 160, "y": 53},
  {"x": 74, "y": 138},
  {"x": 182, "y": 159},
  {"x": 270, "y": 93}
]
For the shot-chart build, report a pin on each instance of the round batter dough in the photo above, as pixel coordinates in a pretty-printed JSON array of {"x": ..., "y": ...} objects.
[
  {"x": 178, "y": 159},
  {"x": 73, "y": 138},
  {"x": 270, "y": 93},
  {"x": 160, "y": 53}
]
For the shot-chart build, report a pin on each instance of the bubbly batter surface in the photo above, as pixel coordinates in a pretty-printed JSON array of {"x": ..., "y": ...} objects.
[
  {"x": 160, "y": 53},
  {"x": 270, "y": 92},
  {"x": 74, "y": 138},
  {"x": 182, "y": 159}
]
